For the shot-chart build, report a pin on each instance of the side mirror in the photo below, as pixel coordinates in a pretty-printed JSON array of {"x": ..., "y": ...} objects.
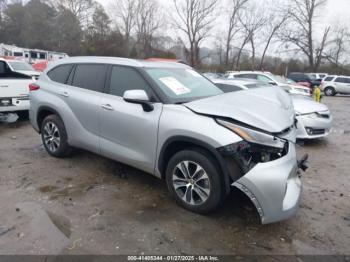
[
  {"x": 138, "y": 97},
  {"x": 272, "y": 83}
]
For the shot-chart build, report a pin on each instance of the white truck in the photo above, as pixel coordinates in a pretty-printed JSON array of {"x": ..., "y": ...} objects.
[{"x": 14, "y": 89}]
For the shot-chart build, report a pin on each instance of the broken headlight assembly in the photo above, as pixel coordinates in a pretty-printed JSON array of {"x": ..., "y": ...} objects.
[{"x": 257, "y": 146}]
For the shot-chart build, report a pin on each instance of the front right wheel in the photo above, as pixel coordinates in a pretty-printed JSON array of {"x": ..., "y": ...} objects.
[{"x": 193, "y": 179}]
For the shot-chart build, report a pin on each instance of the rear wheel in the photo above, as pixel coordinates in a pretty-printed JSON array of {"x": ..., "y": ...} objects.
[
  {"x": 54, "y": 136},
  {"x": 329, "y": 91},
  {"x": 194, "y": 180}
]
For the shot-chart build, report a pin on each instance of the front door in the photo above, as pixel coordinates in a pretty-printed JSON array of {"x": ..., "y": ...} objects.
[{"x": 128, "y": 133}]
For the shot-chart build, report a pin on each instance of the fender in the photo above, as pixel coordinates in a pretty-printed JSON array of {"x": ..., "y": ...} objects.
[{"x": 195, "y": 142}]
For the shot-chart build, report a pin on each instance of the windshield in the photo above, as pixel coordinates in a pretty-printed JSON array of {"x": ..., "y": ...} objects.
[
  {"x": 182, "y": 85},
  {"x": 21, "y": 66}
]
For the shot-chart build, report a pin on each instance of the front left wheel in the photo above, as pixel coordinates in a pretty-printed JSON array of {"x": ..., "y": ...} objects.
[
  {"x": 193, "y": 179},
  {"x": 54, "y": 136}
]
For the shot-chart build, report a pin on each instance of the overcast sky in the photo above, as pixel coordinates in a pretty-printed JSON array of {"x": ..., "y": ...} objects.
[
  {"x": 336, "y": 12},
  {"x": 336, "y": 9}
]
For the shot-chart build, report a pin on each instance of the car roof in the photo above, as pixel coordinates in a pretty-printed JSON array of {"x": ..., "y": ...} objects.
[
  {"x": 234, "y": 82},
  {"x": 247, "y": 72},
  {"x": 117, "y": 61}
]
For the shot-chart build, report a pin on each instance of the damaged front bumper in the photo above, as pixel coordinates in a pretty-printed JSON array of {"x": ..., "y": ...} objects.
[
  {"x": 274, "y": 187},
  {"x": 312, "y": 126}
]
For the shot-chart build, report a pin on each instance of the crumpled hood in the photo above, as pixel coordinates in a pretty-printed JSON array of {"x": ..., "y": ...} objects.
[
  {"x": 308, "y": 106},
  {"x": 267, "y": 108}
]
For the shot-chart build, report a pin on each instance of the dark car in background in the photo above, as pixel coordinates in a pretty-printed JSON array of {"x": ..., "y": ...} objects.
[{"x": 305, "y": 78}]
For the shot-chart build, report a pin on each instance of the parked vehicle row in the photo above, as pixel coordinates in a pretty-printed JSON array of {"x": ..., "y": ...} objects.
[
  {"x": 170, "y": 121},
  {"x": 314, "y": 119},
  {"x": 271, "y": 79}
]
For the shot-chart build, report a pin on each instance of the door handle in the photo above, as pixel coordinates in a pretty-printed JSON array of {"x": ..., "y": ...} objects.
[
  {"x": 64, "y": 94},
  {"x": 107, "y": 107},
  {"x": 4, "y": 86}
]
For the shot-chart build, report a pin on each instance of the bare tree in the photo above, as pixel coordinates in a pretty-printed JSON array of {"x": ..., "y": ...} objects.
[
  {"x": 125, "y": 14},
  {"x": 252, "y": 21},
  {"x": 338, "y": 45},
  {"x": 195, "y": 19},
  {"x": 301, "y": 30},
  {"x": 82, "y": 9},
  {"x": 148, "y": 21},
  {"x": 235, "y": 7},
  {"x": 277, "y": 18},
  {"x": 3, "y": 4}
]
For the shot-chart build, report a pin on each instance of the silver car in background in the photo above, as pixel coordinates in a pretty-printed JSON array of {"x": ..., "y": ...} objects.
[
  {"x": 171, "y": 122},
  {"x": 314, "y": 119},
  {"x": 270, "y": 79},
  {"x": 333, "y": 85}
]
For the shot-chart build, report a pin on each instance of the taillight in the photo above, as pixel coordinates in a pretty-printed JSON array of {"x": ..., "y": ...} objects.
[{"x": 33, "y": 87}]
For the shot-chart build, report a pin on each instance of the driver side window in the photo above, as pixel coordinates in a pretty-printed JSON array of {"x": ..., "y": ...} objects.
[{"x": 127, "y": 78}]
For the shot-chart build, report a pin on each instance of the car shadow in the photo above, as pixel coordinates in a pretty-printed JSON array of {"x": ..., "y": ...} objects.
[{"x": 236, "y": 205}]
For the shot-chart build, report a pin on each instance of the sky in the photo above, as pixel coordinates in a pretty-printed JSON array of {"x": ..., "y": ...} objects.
[{"x": 335, "y": 12}]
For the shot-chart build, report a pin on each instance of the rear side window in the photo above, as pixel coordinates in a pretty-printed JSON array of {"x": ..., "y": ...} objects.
[
  {"x": 343, "y": 80},
  {"x": 90, "y": 77},
  {"x": 60, "y": 73},
  {"x": 127, "y": 78},
  {"x": 328, "y": 79},
  {"x": 7, "y": 73}
]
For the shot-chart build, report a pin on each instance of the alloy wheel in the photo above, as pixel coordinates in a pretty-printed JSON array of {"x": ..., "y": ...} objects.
[
  {"x": 191, "y": 183},
  {"x": 329, "y": 92},
  {"x": 52, "y": 137}
]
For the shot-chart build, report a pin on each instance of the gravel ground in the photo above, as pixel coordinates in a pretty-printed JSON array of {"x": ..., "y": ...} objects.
[{"x": 86, "y": 204}]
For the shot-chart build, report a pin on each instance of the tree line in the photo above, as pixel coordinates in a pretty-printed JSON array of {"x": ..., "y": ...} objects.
[{"x": 244, "y": 33}]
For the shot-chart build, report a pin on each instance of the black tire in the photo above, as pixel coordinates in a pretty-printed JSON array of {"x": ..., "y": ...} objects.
[
  {"x": 329, "y": 91},
  {"x": 216, "y": 184},
  {"x": 61, "y": 149}
]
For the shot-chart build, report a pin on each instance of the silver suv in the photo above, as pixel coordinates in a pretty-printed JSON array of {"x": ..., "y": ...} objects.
[{"x": 169, "y": 121}]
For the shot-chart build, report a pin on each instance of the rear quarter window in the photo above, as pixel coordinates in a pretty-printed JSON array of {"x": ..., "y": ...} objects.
[
  {"x": 342, "y": 80},
  {"x": 60, "y": 73}
]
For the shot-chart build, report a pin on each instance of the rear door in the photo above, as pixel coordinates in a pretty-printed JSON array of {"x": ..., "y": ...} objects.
[
  {"x": 83, "y": 96},
  {"x": 128, "y": 133},
  {"x": 342, "y": 85}
]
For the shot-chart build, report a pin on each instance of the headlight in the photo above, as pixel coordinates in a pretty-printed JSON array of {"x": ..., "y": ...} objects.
[
  {"x": 312, "y": 115},
  {"x": 254, "y": 136}
]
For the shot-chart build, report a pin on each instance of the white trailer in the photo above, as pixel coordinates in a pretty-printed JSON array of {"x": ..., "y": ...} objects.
[{"x": 30, "y": 55}]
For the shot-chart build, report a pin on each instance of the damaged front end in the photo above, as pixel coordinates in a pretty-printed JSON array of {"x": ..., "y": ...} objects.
[
  {"x": 258, "y": 146},
  {"x": 269, "y": 170}
]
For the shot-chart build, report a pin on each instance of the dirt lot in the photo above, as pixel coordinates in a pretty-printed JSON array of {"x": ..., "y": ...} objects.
[{"x": 86, "y": 204}]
